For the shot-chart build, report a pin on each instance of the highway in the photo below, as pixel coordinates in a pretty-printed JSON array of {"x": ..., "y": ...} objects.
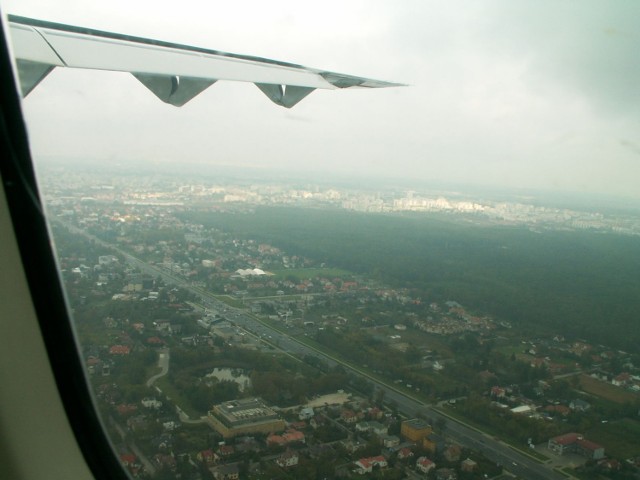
[{"x": 499, "y": 452}]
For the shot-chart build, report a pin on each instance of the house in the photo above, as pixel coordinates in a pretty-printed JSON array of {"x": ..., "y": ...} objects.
[
  {"x": 365, "y": 465},
  {"x": 576, "y": 443},
  {"x": 390, "y": 441},
  {"x": 452, "y": 453},
  {"x": 468, "y": 465},
  {"x": 498, "y": 392},
  {"x": 579, "y": 405},
  {"x": 288, "y": 459},
  {"x": 561, "y": 409},
  {"x": 349, "y": 416},
  {"x": 292, "y": 436},
  {"x": 275, "y": 440},
  {"x": 207, "y": 456},
  {"x": 155, "y": 341},
  {"x": 128, "y": 459},
  {"x": 107, "y": 259},
  {"x": 150, "y": 402},
  {"x": 562, "y": 443},
  {"x": 589, "y": 449},
  {"x": 226, "y": 450},
  {"x": 226, "y": 472},
  {"x": 404, "y": 453},
  {"x": 362, "y": 427},
  {"x": 424, "y": 465},
  {"x": 165, "y": 461},
  {"x": 446, "y": 474},
  {"x": 621, "y": 380},
  {"x": 125, "y": 409},
  {"x": 138, "y": 327},
  {"x": 300, "y": 425},
  {"x": 131, "y": 463},
  {"x": 170, "y": 425},
  {"x": 306, "y": 413},
  {"x": 162, "y": 325},
  {"x": 375, "y": 413},
  {"x": 120, "y": 350}
]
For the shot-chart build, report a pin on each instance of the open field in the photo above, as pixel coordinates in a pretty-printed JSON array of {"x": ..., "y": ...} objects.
[
  {"x": 330, "y": 399},
  {"x": 229, "y": 300},
  {"x": 606, "y": 390},
  {"x": 174, "y": 394},
  {"x": 309, "y": 273},
  {"x": 621, "y": 439}
]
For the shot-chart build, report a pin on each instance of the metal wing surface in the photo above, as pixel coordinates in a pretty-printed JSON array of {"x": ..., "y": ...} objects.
[{"x": 175, "y": 73}]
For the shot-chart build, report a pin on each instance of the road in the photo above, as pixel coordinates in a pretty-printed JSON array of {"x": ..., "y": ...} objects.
[
  {"x": 148, "y": 466},
  {"x": 163, "y": 363},
  {"x": 513, "y": 461}
]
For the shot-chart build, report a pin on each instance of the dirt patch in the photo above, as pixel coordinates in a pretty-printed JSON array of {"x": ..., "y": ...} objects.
[
  {"x": 402, "y": 347},
  {"x": 330, "y": 399}
]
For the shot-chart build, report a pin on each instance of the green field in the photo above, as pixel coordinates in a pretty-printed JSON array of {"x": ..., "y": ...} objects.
[
  {"x": 309, "y": 273},
  {"x": 620, "y": 439},
  {"x": 176, "y": 397},
  {"x": 229, "y": 300},
  {"x": 606, "y": 390}
]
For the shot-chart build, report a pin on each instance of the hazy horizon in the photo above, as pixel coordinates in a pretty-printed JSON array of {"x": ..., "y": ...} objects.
[{"x": 183, "y": 172}]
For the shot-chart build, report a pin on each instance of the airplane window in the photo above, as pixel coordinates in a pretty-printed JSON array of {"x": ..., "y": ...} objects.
[{"x": 373, "y": 240}]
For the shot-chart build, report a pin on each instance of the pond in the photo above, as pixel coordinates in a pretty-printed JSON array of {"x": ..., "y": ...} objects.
[{"x": 237, "y": 375}]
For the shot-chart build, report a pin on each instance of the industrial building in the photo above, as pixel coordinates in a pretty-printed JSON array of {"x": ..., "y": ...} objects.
[{"x": 240, "y": 417}]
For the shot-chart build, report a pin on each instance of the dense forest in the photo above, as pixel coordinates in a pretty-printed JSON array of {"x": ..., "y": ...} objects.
[{"x": 577, "y": 283}]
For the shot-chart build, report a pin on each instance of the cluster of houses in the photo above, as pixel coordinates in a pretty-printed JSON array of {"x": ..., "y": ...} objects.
[
  {"x": 506, "y": 398},
  {"x": 452, "y": 318},
  {"x": 358, "y": 425}
]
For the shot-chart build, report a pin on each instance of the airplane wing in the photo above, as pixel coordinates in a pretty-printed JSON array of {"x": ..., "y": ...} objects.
[{"x": 174, "y": 73}]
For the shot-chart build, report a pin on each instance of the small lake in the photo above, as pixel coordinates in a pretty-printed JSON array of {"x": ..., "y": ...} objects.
[{"x": 237, "y": 375}]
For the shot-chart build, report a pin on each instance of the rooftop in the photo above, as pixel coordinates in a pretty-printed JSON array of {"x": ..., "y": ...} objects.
[
  {"x": 247, "y": 410},
  {"x": 417, "y": 424}
]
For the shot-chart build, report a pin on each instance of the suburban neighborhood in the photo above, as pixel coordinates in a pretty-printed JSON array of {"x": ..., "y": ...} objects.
[{"x": 185, "y": 331}]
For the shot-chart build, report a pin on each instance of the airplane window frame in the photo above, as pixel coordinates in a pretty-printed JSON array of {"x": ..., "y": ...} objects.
[{"x": 40, "y": 268}]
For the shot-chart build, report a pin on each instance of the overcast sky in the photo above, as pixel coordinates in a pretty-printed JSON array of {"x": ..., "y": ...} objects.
[{"x": 534, "y": 94}]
